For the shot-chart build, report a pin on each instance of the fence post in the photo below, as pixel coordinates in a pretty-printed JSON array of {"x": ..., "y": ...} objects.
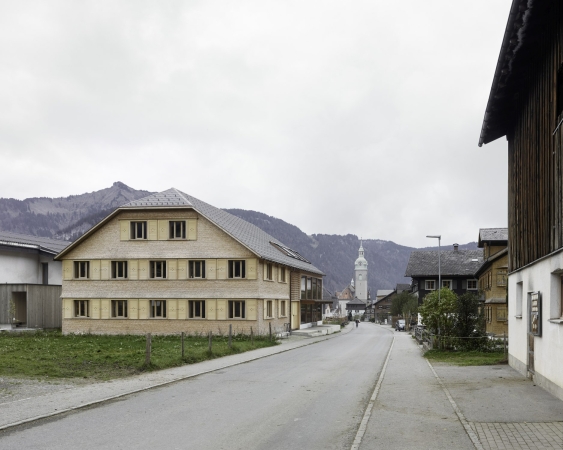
[
  {"x": 230, "y": 336},
  {"x": 270, "y": 326},
  {"x": 182, "y": 345},
  {"x": 504, "y": 342},
  {"x": 251, "y": 336},
  {"x": 210, "y": 340},
  {"x": 148, "y": 350}
]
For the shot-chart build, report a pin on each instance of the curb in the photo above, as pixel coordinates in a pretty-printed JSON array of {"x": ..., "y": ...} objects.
[{"x": 4, "y": 428}]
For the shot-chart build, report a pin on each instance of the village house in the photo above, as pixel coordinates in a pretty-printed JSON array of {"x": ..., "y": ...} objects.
[
  {"x": 457, "y": 270},
  {"x": 171, "y": 263},
  {"x": 526, "y": 105},
  {"x": 493, "y": 279},
  {"x": 30, "y": 281}
]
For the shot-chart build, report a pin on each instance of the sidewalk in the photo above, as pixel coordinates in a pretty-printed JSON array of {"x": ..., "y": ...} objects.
[
  {"x": 41, "y": 406},
  {"x": 438, "y": 406}
]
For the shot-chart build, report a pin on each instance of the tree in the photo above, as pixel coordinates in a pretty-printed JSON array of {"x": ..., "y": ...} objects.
[
  {"x": 398, "y": 303},
  {"x": 469, "y": 322},
  {"x": 439, "y": 314},
  {"x": 410, "y": 308}
]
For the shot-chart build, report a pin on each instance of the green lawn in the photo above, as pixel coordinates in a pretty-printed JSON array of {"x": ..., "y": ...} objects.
[
  {"x": 467, "y": 358},
  {"x": 50, "y": 354}
]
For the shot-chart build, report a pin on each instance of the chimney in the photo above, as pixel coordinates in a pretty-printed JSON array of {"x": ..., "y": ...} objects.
[{"x": 455, "y": 247}]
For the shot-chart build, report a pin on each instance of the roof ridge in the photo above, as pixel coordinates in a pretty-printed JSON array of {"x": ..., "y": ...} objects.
[{"x": 182, "y": 194}]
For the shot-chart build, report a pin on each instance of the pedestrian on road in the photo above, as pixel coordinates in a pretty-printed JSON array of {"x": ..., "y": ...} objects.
[{"x": 357, "y": 322}]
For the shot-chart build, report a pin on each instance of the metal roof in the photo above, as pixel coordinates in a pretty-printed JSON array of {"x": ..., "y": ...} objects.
[
  {"x": 384, "y": 292},
  {"x": 452, "y": 263},
  {"x": 47, "y": 245},
  {"x": 493, "y": 235},
  {"x": 249, "y": 235}
]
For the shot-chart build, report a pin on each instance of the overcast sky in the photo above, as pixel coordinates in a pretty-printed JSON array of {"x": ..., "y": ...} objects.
[{"x": 339, "y": 117}]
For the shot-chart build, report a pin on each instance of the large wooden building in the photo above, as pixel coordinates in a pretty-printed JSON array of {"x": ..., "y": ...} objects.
[
  {"x": 526, "y": 105},
  {"x": 169, "y": 263}
]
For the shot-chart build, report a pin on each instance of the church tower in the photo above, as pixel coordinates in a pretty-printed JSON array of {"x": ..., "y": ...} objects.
[{"x": 361, "y": 275}]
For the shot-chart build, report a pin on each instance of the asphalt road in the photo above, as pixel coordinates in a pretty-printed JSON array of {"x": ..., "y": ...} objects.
[{"x": 312, "y": 397}]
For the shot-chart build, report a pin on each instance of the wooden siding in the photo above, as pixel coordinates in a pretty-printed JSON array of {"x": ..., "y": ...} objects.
[
  {"x": 44, "y": 306},
  {"x": 534, "y": 154}
]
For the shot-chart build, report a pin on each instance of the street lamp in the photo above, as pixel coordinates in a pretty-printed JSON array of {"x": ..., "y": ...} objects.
[{"x": 439, "y": 237}]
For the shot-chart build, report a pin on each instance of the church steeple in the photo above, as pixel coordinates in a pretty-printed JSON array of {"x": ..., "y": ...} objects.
[{"x": 361, "y": 274}]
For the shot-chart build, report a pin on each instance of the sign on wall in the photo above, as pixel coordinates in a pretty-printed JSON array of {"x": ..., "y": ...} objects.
[{"x": 535, "y": 313}]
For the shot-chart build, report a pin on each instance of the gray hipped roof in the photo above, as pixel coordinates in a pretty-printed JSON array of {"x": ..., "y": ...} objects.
[
  {"x": 249, "y": 235},
  {"x": 52, "y": 246},
  {"x": 452, "y": 263}
]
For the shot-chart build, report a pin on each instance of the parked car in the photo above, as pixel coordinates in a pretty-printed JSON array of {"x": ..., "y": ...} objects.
[{"x": 400, "y": 325}]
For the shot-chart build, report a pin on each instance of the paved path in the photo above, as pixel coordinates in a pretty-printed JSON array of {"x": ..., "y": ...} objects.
[{"x": 438, "y": 406}]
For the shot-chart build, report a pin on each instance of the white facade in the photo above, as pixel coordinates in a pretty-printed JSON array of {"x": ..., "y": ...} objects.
[
  {"x": 361, "y": 275},
  {"x": 19, "y": 265},
  {"x": 543, "y": 277}
]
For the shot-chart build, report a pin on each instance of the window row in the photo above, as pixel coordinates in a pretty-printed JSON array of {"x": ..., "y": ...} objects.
[
  {"x": 273, "y": 272},
  {"x": 486, "y": 281},
  {"x": 173, "y": 269},
  {"x": 311, "y": 288},
  {"x": 158, "y": 230},
  {"x": 501, "y": 314},
  {"x": 470, "y": 285},
  {"x": 173, "y": 309}
]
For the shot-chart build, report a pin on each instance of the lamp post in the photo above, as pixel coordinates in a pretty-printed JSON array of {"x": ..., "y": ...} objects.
[{"x": 439, "y": 237}]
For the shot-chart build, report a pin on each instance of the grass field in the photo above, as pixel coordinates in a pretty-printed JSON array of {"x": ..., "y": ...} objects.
[
  {"x": 469, "y": 358},
  {"x": 52, "y": 355}
]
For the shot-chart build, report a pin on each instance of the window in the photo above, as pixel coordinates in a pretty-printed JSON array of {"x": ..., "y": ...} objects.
[
  {"x": 119, "y": 269},
  {"x": 158, "y": 269},
  {"x": 177, "y": 229},
  {"x": 501, "y": 314},
  {"x": 501, "y": 277},
  {"x": 196, "y": 309},
  {"x": 430, "y": 285},
  {"x": 269, "y": 308},
  {"x": 119, "y": 309},
  {"x": 311, "y": 288},
  {"x": 519, "y": 295},
  {"x": 447, "y": 284},
  {"x": 281, "y": 271},
  {"x": 45, "y": 273},
  {"x": 268, "y": 269},
  {"x": 237, "y": 268},
  {"x": 236, "y": 309},
  {"x": 81, "y": 308},
  {"x": 283, "y": 310},
  {"x": 197, "y": 269},
  {"x": 158, "y": 309},
  {"x": 81, "y": 269},
  {"x": 138, "y": 230},
  {"x": 471, "y": 285}
]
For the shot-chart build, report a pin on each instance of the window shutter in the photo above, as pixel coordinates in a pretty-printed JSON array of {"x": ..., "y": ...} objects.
[
  {"x": 182, "y": 269},
  {"x": 454, "y": 284},
  {"x": 163, "y": 231},
  {"x": 264, "y": 271},
  {"x": 133, "y": 308},
  {"x": 95, "y": 269},
  {"x": 68, "y": 312},
  {"x": 67, "y": 269},
  {"x": 274, "y": 308},
  {"x": 265, "y": 311},
  {"x": 172, "y": 309},
  {"x": 143, "y": 309},
  {"x": 182, "y": 309},
  {"x": 211, "y": 309},
  {"x": 104, "y": 269},
  {"x": 124, "y": 227},
  {"x": 251, "y": 268},
  {"x": 153, "y": 230},
  {"x": 172, "y": 267},
  {"x": 95, "y": 308},
  {"x": 222, "y": 309},
  {"x": 251, "y": 309},
  {"x": 464, "y": 284},
  {"x": 105, "y": 305},
  {"x": 222, "y": 272},
  {"x": 133, "y": 269},
  {"x": 211, "y": 269},
  {"x": 192, "y": 229},
  {"x": 143, "y": 269}
]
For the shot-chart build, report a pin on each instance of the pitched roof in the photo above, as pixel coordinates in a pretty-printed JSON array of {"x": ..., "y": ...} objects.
[
  {"x": 452, "y": 262},
  {"x": 489, "y": 261},
  {"x": 356, "y": 301},
  {"x": 52, "y": 246},
  {"x": 492, "y": 235},
  {"x": 402, "y": 287},
  {"x": 384, "y": 292},
  {"x": 249, "y": 235}
]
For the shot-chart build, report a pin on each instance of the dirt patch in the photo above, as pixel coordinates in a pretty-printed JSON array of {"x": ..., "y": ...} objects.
[{"x": 14, "y": 389}]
